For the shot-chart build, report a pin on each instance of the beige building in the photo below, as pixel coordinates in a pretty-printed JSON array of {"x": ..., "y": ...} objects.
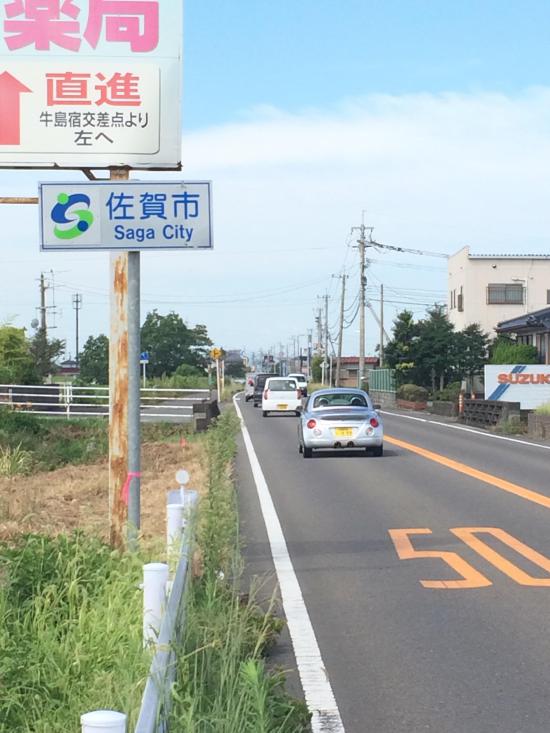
[{"x": 488, "y": 289}]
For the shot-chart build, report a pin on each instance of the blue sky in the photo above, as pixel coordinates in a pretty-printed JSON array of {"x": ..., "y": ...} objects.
[
  {"x": 433, "y": 117},
  {"x": 316, "y": 53}
]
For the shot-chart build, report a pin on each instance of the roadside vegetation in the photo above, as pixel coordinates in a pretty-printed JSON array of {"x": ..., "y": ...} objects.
[
  {"x": 70, "y": 607},
  {"x": 224, "y": 683},
  {"x": 29, "y": 443},
  {"x": 70, "y": 632}
]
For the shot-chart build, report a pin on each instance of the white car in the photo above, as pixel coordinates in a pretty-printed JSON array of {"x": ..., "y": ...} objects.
[
  {"x": 302, "y": 382},
  {"x": 281, "y": 394}
]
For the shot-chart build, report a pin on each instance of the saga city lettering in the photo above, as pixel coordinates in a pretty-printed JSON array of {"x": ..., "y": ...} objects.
[{"x": 140, "y": 234}]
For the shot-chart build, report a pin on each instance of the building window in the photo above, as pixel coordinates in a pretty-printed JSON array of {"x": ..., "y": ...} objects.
[
  {"x": 461, "y": 300},
  {"x": 505, "y": 294}
]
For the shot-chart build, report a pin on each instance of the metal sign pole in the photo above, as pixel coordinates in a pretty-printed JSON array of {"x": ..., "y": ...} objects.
[
  {"x": 134, "y": 400},
  {"x": 124, "y": 422}
]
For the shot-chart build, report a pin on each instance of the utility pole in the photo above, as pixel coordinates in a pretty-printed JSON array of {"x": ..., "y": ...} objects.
[
  {"x": 309, "y": 340},
  {"x": 362, "y": 242},
  {"x": 319, "y": 331},
  {"x": 325, "y": 349},
  {"x": 77, "y": 305},
  {"x": 381, "y": 326},
  {"x": 341, "y": 331},
  {"x": 43, "y": 286}
]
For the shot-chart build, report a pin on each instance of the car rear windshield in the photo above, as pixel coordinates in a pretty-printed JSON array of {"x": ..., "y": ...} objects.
[
  {"x": 341, "y": 399},
  {"x": 282, "y": 385},
  {"x": 261, "y": 379}
]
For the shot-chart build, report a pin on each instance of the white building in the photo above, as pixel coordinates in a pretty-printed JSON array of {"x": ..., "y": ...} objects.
[{"x": 488, "y": 289}]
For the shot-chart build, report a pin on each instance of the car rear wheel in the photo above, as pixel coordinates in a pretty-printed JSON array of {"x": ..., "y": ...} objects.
[
  {"x": 264, "y": 413},
  {"x": 307, "y": 452},
  {"x": 378, "y": 451}
]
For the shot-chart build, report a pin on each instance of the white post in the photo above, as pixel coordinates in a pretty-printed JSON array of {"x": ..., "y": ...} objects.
[
  {"x": 155, "y": 577},
  {"x": 103, "y": 721},
  {"x": 174, "y": 523}
]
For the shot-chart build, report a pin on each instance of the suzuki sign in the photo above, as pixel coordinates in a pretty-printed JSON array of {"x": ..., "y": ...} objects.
[
  {"x": 90, "y": 83},
  {"x": 528, "y": 384}
]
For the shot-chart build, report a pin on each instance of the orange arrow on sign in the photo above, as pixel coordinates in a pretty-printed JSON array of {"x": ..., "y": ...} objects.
[{"x": 10, "y": 109}]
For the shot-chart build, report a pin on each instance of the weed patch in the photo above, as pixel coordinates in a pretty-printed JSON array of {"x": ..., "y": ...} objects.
[
  {"x": 223, "y": 682},
  {"x": 70, "y": 632}
]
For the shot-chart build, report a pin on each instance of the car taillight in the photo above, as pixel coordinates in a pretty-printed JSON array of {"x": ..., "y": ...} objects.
[
  {"x": 311, "y": 424},
  {"x": 374, "y": 422},
  {"x": 250, "y": 382},
  {"x": 266, "y": 394}
]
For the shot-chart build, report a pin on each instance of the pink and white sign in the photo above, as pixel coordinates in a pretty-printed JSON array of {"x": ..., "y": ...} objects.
[{"x": 90, "y": 83}]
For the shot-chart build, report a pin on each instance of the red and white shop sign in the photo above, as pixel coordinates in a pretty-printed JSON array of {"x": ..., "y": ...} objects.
[{"x": 90, "y": 83}]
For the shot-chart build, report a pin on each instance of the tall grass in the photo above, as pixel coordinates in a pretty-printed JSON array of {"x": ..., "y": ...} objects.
[
  {"x": 70, "y": 633},
  {"x": 543, "y": 409},
  {"x": 223, "y": 683}
]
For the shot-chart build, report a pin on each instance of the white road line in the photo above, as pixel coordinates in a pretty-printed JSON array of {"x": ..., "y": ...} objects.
[
  {"x": 452, "y": 426},
  {"x": 313, "y": 675}
]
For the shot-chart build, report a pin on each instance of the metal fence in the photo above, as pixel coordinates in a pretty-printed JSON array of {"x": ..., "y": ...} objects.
[
  {"x": 67, "y": 400},
  {"x": 381, "y": 380},
  {"x": 163, "y": 622}
]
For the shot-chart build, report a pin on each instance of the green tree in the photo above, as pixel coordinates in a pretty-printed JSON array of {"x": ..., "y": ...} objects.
[
  {"x": 506, "y": 351},
  {"x": 434, "y": 350},
  {"x": 399, "y": 353},
  {"x": 171, "y": 343},
  {"x": 200, "y": 349},
  {"x": 316, "y": 371},
  {"x": 45, "y": 352},
  {"x": 16, "y": 362},
  {"x": 235, "y": 369},
  {"x": 94, "y": 360},
  {"x": 471, "y": 351}
]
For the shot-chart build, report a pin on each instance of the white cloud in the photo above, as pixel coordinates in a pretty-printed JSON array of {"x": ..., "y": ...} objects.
[{"x": 433, "y": 172}]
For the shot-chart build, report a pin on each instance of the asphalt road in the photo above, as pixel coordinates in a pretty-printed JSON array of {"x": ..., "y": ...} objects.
[{"x": 471, "y": 656}]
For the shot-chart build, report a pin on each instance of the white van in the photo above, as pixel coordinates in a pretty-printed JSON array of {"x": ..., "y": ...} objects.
[
  {"x": 281, "y": 394},
  {"x": 302, "y": 382}
]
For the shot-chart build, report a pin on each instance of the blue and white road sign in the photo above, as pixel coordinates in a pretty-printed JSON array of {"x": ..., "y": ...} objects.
[{"x": 125, "y": 215}]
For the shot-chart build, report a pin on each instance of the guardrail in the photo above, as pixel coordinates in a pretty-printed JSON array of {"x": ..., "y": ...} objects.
[
  {"x": 162, "y": 623},
  {"x": 67, "y": 400}
]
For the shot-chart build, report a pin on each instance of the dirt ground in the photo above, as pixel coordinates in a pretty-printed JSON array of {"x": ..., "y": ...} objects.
[{"x": 77, "y": 497}]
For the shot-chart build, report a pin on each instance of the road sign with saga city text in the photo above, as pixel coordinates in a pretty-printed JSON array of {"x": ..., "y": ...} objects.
[
  {"x": 90, "y": 83},
  {"x": 125, "y": 215}
]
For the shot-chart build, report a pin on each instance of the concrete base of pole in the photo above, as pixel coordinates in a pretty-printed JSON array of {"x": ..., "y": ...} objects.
[{"x": 103, "y": 721}]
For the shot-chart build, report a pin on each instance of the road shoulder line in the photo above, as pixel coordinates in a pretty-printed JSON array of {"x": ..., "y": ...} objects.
[{"x": 313, "y": 675}]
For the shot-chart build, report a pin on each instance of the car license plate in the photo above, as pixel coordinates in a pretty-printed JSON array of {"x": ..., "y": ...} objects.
[
  {"x": 282, "y": 407},
  {"x": 343, "y": 432}
]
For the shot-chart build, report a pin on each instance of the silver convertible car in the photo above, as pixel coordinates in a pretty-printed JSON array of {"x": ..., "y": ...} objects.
[{"x": 340, "y": 418}]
